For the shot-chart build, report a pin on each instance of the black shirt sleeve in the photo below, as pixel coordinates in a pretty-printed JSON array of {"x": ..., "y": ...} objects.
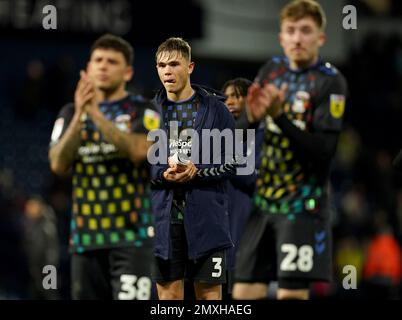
[
  {"x": 147, "y": 119},
  {"x": 320, "y": 144},
  {"x": 330, "y": 102},
  {"x": 61, "y": 124}
]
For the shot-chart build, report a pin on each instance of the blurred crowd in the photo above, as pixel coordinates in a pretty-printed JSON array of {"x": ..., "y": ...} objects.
[{"x": 366, "y": 190}]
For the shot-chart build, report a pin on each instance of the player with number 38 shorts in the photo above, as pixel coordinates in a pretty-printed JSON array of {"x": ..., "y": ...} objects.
[{"x": 102, "y": 139}]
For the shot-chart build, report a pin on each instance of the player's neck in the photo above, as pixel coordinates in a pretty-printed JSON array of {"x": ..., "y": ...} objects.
[
  {"x": 106, "y": 96},
  {"x": 300, "y": 65},
  {"x": 185, "y": 94}
]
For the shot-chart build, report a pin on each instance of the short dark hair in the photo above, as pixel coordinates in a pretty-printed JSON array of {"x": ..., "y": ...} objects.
[
  {"x": 299, "y": 9},
  {"x": 240, "y": 86},
  {"x": 175, "y": 44},
  {"x": 110, "y": 41}
]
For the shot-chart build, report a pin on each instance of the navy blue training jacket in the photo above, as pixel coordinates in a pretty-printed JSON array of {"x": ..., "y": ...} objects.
[{"x": 206, "y": 217}]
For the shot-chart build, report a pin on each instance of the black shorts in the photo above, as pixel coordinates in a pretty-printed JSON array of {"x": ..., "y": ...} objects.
[
  {"x": 295, "y": 251},
  {"x": 118, "y": 273},
  {"x": 208, "y": 269}
]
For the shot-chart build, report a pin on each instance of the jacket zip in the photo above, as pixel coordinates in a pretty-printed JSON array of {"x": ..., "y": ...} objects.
[{"x": 201, "y": 125}]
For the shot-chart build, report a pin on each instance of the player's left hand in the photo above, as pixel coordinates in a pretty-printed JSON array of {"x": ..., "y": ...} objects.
[
  {"x": 92, "y": 107},
  {"x": 276, "y": 98},
  {"x": 172, "y": 174},
  {"x": 266, "y": 100}
]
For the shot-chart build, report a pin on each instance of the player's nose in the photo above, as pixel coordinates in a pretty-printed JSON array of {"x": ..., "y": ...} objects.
[
  {"x": 229, "y": 103},
  {"x": 168, "y": 70},
  {"x": 297, "y": 36},
  {"x": 103, "y": 65}
]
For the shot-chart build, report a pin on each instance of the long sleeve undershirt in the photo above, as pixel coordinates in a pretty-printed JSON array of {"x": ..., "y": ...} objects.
[{"x": 317, "y": 147}]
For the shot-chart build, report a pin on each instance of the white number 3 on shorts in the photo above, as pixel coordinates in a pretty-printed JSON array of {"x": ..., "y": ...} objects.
[{"x": 217, "y": 267}]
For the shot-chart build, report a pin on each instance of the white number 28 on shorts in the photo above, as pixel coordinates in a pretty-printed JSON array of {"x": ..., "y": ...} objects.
[{"x": 304, "y": 254}]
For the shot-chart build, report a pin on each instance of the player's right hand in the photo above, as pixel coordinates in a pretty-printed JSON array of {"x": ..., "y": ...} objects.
[
  {"x": 266, "y": 100},
  {"x": 171, "y": 162},
  {"x": 83, "y": 93},
  {"x": 173, "y": 174},
  {"x": 255, "y": 107}
]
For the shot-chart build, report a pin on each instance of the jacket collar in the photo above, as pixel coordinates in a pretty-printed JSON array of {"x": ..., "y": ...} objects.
[{"x": 202, "y": 91}]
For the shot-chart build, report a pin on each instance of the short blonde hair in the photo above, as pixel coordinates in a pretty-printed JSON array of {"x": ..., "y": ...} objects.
[
  {"x": 175, "y": 44},
  {"x": 299, "y": 9}
]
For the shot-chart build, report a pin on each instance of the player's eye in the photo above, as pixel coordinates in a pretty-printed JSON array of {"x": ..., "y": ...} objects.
[
  {"x": 290, "y": 30},
  {"x": 174, "y": 63},
  {"x": 306, "y": 30}
]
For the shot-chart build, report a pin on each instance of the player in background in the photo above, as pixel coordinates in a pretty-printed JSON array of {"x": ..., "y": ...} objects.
[
  {"x": 241, "y": 187},
  {"x": 301, "y": 100},
  {"x": 102, "y": 139}
]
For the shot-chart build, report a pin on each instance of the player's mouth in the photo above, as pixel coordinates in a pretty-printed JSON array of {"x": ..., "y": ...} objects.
[
  {"x": 298, "y": 50},
  {"x": 235, "y": 113},
  {"x": 103, "y": 77},
  {"x": 169, "y": 81}
]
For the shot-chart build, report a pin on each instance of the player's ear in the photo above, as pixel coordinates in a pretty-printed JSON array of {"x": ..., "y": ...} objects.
[
  {"x": 191, "y": 67},
  {"x": 128, "y": 75},
  {"x": 321, "y": 38}
]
